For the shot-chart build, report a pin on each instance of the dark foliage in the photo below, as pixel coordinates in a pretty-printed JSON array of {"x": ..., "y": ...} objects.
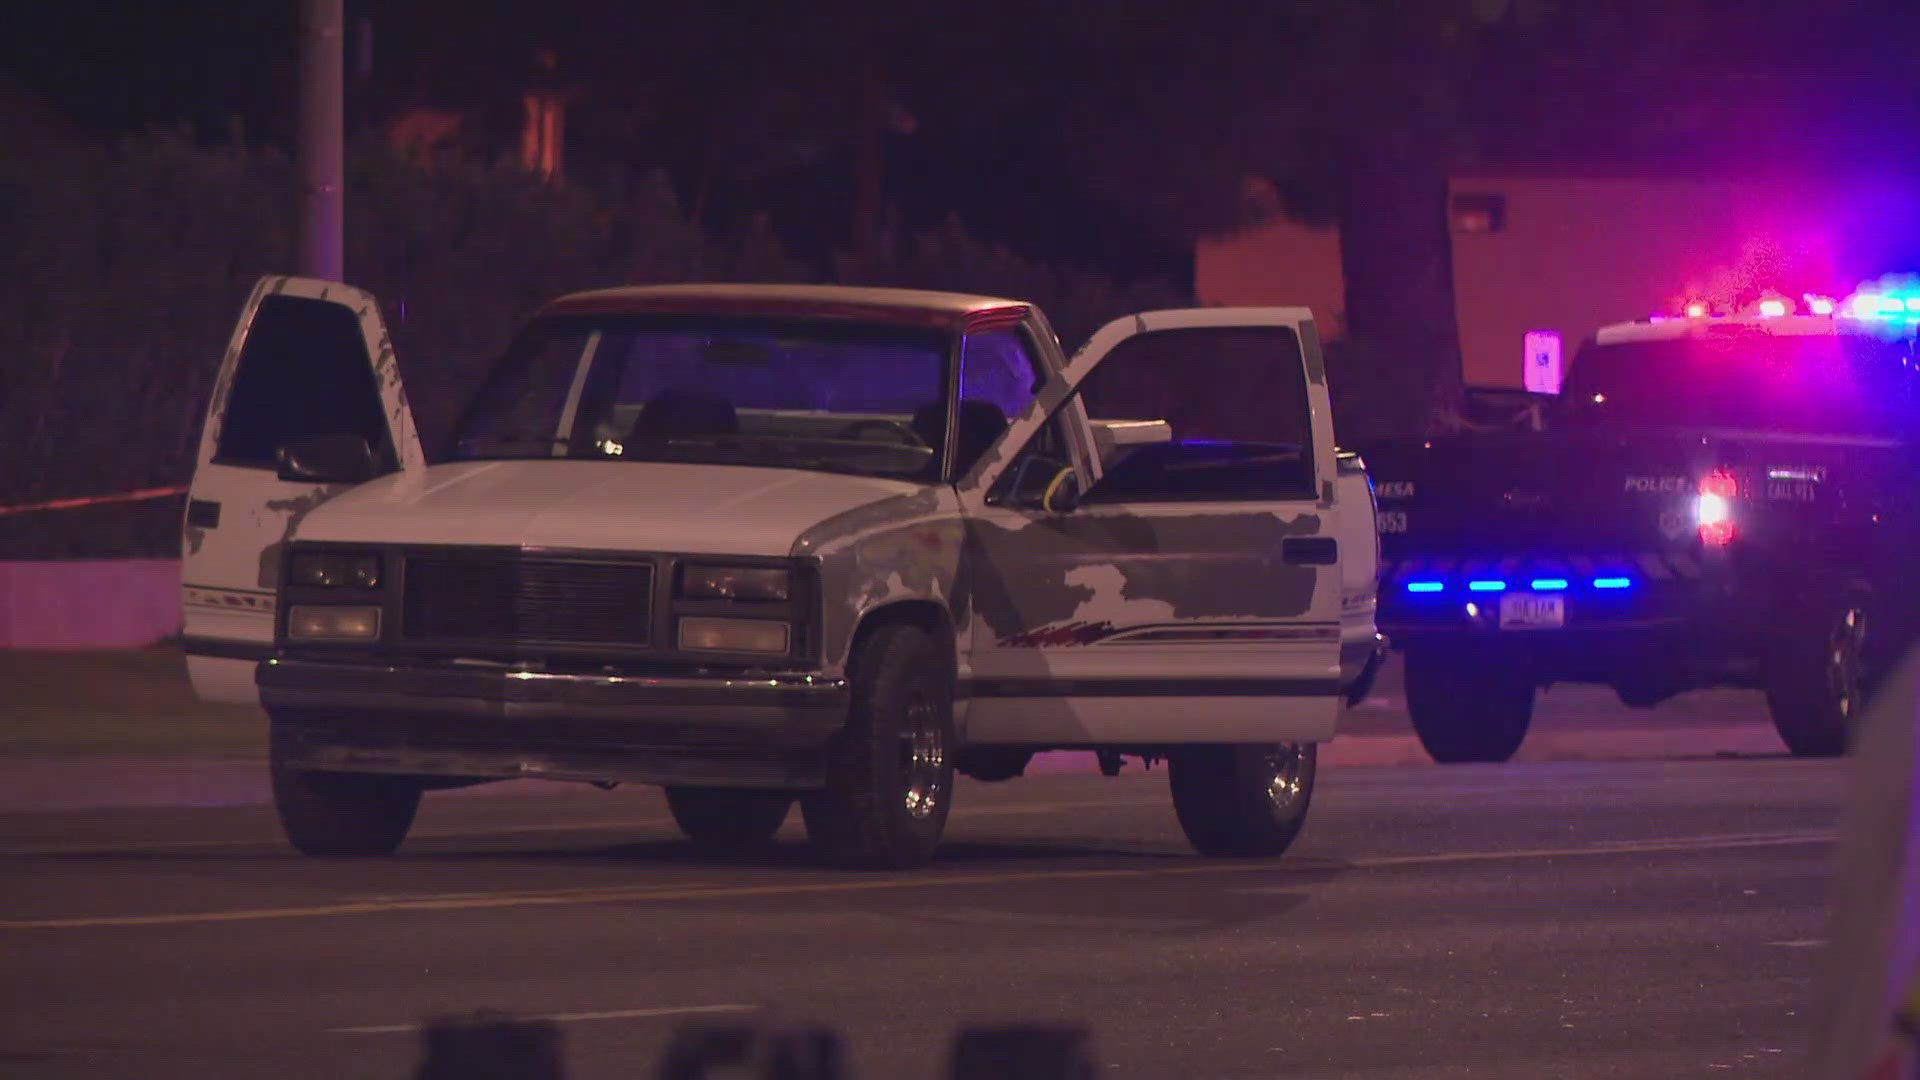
[{"x": 127, "y": 265}]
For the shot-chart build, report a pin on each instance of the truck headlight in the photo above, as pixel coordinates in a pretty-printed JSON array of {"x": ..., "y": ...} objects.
[
  {"x": 328, "y": 622},
  {"x": 707, "y": 634},
  {"x": 327, "y": 570},
  {"x": 736, "y": 583}
]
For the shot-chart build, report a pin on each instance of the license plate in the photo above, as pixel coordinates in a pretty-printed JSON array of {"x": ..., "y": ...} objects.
[{"x": 1532, "y": 611}]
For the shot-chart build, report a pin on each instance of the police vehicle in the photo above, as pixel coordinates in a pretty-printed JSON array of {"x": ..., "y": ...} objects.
[{"x": 1712, "y": 500}]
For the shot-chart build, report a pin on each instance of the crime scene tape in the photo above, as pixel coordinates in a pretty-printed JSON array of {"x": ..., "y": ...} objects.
[{"x": 143, "y": 495}]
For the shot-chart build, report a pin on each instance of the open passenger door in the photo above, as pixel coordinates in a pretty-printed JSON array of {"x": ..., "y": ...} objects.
[
  {"x": 1187, "y": 587},
  {"x": 308, "y": 358}
]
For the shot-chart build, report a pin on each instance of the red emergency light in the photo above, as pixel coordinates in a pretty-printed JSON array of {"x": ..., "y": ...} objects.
[{"x": 1713, "y": 509}]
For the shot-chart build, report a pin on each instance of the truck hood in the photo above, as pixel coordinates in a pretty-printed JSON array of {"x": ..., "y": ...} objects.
[{"x": 622, "y": 506}]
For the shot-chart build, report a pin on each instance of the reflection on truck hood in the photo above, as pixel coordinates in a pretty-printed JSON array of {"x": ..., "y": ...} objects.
[{"x": 632, "y": 506}]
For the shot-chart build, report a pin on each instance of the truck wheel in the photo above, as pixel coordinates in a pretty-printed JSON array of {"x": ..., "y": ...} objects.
[
  {"x": 1817, "y": 681},
  {"x": 727, "y": 819},
  {"x": 1242, "y": 801},
  {"x": 1466, "y": 705},
  {"x": 342, "y": 814},
  {"x": 890, "y": 771}
]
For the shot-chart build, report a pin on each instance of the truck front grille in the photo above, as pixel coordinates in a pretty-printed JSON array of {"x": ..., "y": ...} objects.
[{"x": 509, "y": 597}]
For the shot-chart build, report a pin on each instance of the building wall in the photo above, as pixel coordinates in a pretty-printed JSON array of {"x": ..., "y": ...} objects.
[
  {"x": 1279, "y": 264},
  {"x": 1572, "y": 255}
]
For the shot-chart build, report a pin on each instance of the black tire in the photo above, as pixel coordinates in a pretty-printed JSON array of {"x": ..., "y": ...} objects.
[
  {"x": 339, "y": 815},
  {"x": 1240, "y": 802},
  {"x": 1818, "y": 679},
  {"x": 890, "y": 771},
  {"x": 1467, "y": 705},
  {"x": 726, "y": 819}
]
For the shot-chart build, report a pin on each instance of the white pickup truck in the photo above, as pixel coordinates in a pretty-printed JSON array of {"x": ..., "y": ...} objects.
[{"x": 767, "y": 544}]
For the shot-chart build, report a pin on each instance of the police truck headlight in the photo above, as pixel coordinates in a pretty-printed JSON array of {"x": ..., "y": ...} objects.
[
  {"x": 327, "y": 570},
  {"x": 328, "y": 622},
  {"x": 772, "y": 583},
  {"x": 707, "y": 634}
]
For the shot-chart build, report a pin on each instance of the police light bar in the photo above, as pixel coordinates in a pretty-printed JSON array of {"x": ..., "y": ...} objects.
[
  {"x": 1892, "y": 299},
  {"x": 1884, "y": 308}
]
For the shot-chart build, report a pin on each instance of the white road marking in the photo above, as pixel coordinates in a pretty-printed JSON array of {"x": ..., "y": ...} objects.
[
  {"x": 662, "y": 893},
  {"x": 563, "y": 1018}
]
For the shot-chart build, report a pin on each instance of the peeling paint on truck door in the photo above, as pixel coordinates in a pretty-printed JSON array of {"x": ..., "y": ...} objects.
[
  {"x": 1204, "y": 607},
  {"x": 306, "y": 358}
]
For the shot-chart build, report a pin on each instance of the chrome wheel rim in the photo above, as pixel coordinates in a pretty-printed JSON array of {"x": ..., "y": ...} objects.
[
  {"x": 1846, "y": 652},
  {"x": 923, "y": 753},
  {"x": 1285, "y": 768}
]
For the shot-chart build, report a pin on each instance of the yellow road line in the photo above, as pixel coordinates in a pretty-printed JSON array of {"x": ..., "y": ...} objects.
[
  {"x": 616, "y": 825},
  {"x": 1651, "y": 847},
  {"x": 658, "y": 894},
  {"x": 583, "y": 892},
  {"x": 564, "y": 1018},
  {"x": 274, "y": 840}
]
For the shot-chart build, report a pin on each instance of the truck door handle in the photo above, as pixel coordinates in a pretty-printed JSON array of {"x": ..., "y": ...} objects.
[
  {"x": 1310, "y": 550},
  {"x": 203, "y": 513}
]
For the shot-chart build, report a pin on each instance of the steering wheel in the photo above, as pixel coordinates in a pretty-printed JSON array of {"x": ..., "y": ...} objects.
[{"x": 896, "y": 431}]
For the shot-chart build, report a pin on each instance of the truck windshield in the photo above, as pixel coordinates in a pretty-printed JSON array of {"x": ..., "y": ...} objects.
[
  {"x": 1845, "y": 384},
  {"x": 826, "y": 395}
]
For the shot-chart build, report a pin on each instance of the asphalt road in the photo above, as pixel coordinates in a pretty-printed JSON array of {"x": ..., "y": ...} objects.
[{"x": 1653, "y": 910}]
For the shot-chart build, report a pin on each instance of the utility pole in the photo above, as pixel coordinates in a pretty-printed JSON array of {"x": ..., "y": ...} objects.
[{"x": 322, "y": 156}]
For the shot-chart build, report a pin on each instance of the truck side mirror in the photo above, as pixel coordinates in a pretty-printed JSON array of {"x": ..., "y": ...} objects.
[
  {"x": 327, "y": 459},
  {"x": 1044, "y": 483}
]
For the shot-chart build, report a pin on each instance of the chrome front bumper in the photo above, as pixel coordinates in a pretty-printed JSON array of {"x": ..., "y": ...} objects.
[{"x": 489, "y": 722}]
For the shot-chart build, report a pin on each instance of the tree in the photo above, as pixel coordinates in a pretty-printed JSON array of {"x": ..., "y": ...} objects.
[{"x": 1351, "y": 109}]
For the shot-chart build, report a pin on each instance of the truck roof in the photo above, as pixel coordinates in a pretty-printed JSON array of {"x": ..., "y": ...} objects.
[
  {"x": 1677, "y": 328},
  {"x": 912, "y": 307}
]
